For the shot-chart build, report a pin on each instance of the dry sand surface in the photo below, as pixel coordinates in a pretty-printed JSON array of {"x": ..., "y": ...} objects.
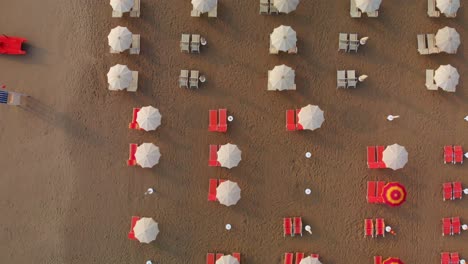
[{"x": 67, "y": 195}]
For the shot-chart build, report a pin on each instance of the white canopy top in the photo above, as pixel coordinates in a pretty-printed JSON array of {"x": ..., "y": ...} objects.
[
  {"x": 119, "y": 77},
  {"x": 120, "y": 38},
  {"x": 446, "y": 77},
  {"x": 283, "y": 38},
  {"x": 122, "y": 5},
  {"x": 281, "y": 78}
]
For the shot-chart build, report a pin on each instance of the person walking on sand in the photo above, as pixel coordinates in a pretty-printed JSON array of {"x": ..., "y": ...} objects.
[{"x": 391, "y": 117}]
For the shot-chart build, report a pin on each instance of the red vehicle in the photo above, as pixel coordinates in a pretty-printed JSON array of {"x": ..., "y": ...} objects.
[{"x": 11, "y": 45}]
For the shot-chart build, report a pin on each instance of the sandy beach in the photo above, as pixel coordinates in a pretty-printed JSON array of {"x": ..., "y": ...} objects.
[{"x": 67, "y": 195}]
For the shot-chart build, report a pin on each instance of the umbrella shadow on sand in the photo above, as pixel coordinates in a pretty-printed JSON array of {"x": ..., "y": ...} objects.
[{"x": 59, "y": 120}]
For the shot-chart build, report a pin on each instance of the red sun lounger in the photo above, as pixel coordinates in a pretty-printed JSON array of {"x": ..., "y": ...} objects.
[
  {"x": 222, "y": 127},
  {"x": 372, "y": 158},
  {"x": 456, "y": 226},
  {"x": 298, "y": 226},
  {"x": 131, "y": 156},
  {"x": 288, "y": 258},
  {"x": 131, "y": 234},
  {"x": 212, "y": 190},
  {"x": 448, "y": 191},
  {"x": 457, "y": 190},
  {"x": 377, "y": 259},
  {"x": 290, "y": 120},
  {"x": 134, "y": 124},
  {"x": 298, "y": 126},
  {"x": 368, "y": 228},
  {"x": 237, "y": 256},
  {"x": 380, "y": 163},
  {"x": 448, "y": 154},
  {"x": 444, "y": 258},
  {"x": 446, "y": 227},
  {"x": 458, "y": 154},
  {"x": 379, "y": 227},
  {"x": 371, "y": 191},
  {"x": 11, "y": 45},
  {"x": 299, "y": 257},
  {"x": 213, "y": 159},
  {"x": 454, "y": 258},
  {"x": 287, "y": 227},
  {"x": 213, "y": 122},
  {"x": 210, "y": 258},
  {"x": 380, "y": 186},
  {"x": 219, "y": 255}
]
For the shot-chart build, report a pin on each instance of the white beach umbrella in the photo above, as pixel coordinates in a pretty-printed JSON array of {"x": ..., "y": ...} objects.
[
  {"x": 310, "y": 260},
  {"x": 281, "y": 78},
  {"x": 283, "y": 38},
  {"x": 204, "y": 6},
  {"x": 119, "y": 77},
  {"x": 448, "y": 40},
  {"x": 148, "y": 118},
  {"x": 122, "y": 5},
  {"x": 147, "y": 155},
  {"x": 446, "y": 77},
  {"x": 229, "y": 155},
  {"x": 228, "y": 193},
  {"x": 146, "y": 230},
  {"x": 286, "y": 6},
  {"x": 368, "y": 5},
  {"x": 227, "y": 259},
  {"x": 120, "y": 38},
  {"x": 395, "y": 156},
  {"x": 311, "y": 117},
  {"x": 448, "y": 7}
]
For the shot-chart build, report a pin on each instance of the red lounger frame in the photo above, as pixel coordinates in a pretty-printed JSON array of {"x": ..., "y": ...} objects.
[
  {"x": 371, "y": 191},
  {"x": 213, "y": 121},
  {"x": 380, "y": 186},
  {"x": 298, "y": 226},
  {"x": 219, "y": 255},
  {"x": 446, "y": 227},
  {"x": 237, "y": 256},
  {"x": 210, "y": 258},
  {"x": 134, "y": 124},
  {"x": 379, "y": 227},
  {"x": 131, "y": 156},
  {"x": 299, "y": 257},
  {"x": 368, "y": 228},
  {"x": 372, "y": 158},
  {"x": 457, "y": 190},
  {"x": 455, "y": 258},
  {"x": 456, "y": 226},
  {"x": 213, "y": 158},
  {"x": 290, "y": 120},
  {"x": 131, "y": 234},
  {"x": 458, "y": 154},
  {"x": 315, "y": 256},
  {"x": 288, "y": 258},
  {"x": 377, "y": 259},
  {"x": 447, "y": 191},
  {"x": 298, "y": 126},
  {"x": 445, "y": 258},
  {"x": 380, "y": 163},
  {"x": 222, "y": 127},
  {"x": 448, "y": 154},
  {"x": 212, "y": 190},
  {"x": 287, "y": 227}
]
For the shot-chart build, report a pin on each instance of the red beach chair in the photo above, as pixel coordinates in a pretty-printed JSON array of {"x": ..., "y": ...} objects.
[
  {"x": 379, "y": 227},
  {"x": 237, "y": 256},
  {"x": 298, "y": 226},
  {"x": 288, "y": 258},
  {"x": 458, "y": 154},
  {"x": 11, "y": 45},
  {"x": 448, "y": 154},
  {"x": 371, "y": 190},
  {"x": 219, "y": 255},
  {"x": 446, "y": 227},
  {"x": 287, "y": 227},
  {"x": 372, "y": 158},
  {"x": 298, "y": 126},
  {"x": 380, "y": 163},
  {"x": 213, "y": 121},
  {"x": 131, "y": 234},
  {"x": 212, "y": 190},
  {"x": 444, "y": 258},
  {"x": 222, "y": 127},
  {"x": 368, "y": 228},
  {"x": 299, "y": 257},
  {"x": 131, "y": 156},
  {"x": 377, "y": 259},
  {"x": 290, "y": 120},
  {"x": 457, "y": 190},
  {"x": 380, "y": 186},
  {"x": 448, "y": 191},
  {"x": 134, "y": 124},
  {"x": 213, "y": 159},
  {"x": 210, "y": 258},
  {"x": 456, "y": 226},
  {"x": 455, "y": 258}
]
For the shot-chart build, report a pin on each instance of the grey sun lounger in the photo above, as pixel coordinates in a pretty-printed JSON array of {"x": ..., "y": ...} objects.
[
  {"x": 353, "y": 42},
  {"x": 373, "y": 14},
  {"x": 430, "y": 84},
  {"x": 135, "y": 12},
  {"x": 195, "y": 44},
  {"x": 194, "y": 75},
  {"x": 351, "y": 79},
  {"x": 134, "y": 85},
  {"x": 354, "y": 11},
  {"x": 183, "y": 78},
  {"x": 431, "y": 9},
  {"x": 213, "y": 12},
  {"x": 264, "y": 8},
  {"x": 135, "y": 48},
  {"x": 431, "y": 44},
  {"x": 422, "y": 47},
  {"x": 341, "y": 79},
  {"x": 117, "y": 14},
  {"x": 343, "y": 42},
  {"x": 195, "y": 13},
  {"x": 273, "y": 9},
  {"x": 184, "y": 43}
]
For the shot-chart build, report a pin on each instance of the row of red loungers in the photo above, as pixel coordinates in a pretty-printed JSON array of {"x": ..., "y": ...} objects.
[
  {"x": 292, "y": 120},
  {"x": 217, "y": 120},
  {"x": 211, "y": 258},
  {"x": 292, "y": 226},
  {"x": 369, "y": 227},
  {"x": 449, "y": 258},
  {"x": 451, "y": 226},
  {"x": 289, "y": 257},
  {"x": 452, "y": 191},
  {"x": 453, "y": 154}
]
